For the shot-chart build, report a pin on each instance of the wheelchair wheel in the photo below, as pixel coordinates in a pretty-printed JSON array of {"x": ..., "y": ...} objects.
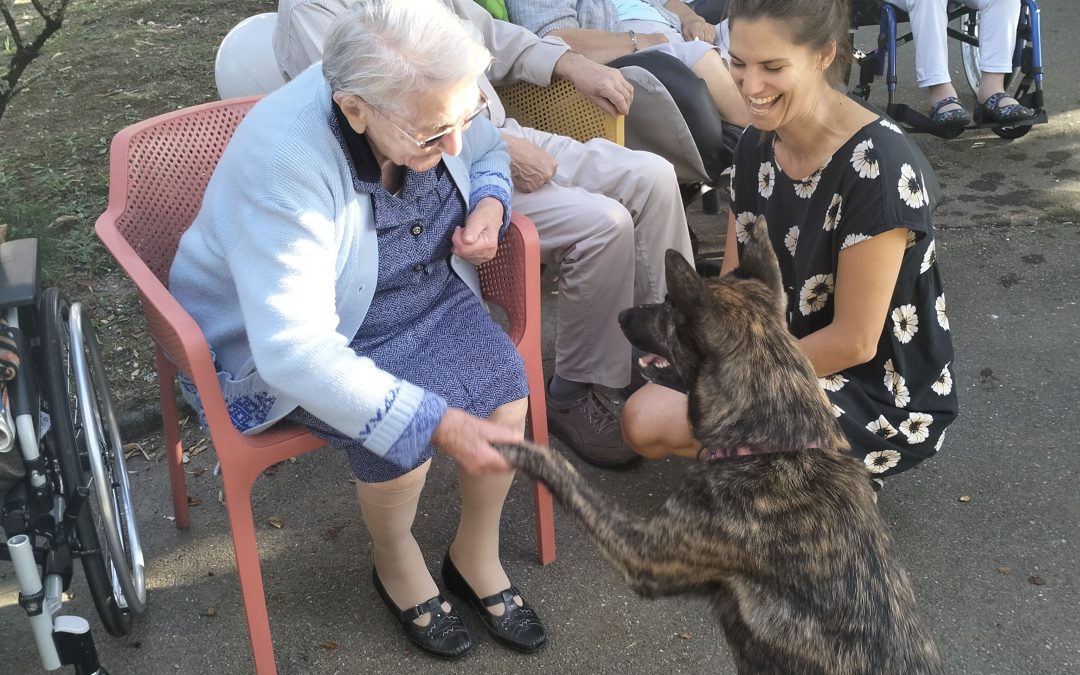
[{"x": 86, "y": 444}]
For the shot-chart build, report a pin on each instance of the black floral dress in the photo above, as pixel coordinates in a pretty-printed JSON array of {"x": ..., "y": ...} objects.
[{"x": 893, "y": 409}]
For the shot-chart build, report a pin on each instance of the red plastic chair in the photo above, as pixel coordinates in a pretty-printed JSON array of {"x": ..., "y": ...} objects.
[{"x": 158, "y": 171}]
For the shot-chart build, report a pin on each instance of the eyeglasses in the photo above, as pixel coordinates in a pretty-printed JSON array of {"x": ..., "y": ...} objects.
[{"x": 432, "y": 141}]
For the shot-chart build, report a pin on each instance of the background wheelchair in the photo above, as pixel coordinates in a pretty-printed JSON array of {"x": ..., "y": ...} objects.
[
  {"x": 64, "y": 491},
  {"x": 1025, "y": 84}
]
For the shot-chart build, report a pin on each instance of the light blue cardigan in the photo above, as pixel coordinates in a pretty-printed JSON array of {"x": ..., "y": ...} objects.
[{"x": 281, "y": 263}]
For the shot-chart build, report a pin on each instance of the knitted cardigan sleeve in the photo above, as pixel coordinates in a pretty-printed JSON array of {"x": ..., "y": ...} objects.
[{"x": 486, "y": 155}]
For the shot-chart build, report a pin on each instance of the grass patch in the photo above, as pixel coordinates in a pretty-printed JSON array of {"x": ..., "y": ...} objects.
[{"x": 114, "y": 63}]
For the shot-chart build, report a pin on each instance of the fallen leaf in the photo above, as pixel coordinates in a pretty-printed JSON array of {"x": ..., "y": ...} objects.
[
  {"x": 210, "y": 612},
  {"x": 1036, "y": 580},
  {"x": 1003, "y": 570},
  {"x": 329, "y": 645},
  {"x": 221, "y": 497},
  {"x": 685, "y": 635},
  {"x": 193, "y": 501},
  {"x": 131, "y": 449},
  {"x": 276, "y": 522},
  {"x": 965, "y": 498},
  {"x": 332, "y": 532},
  {"x": 198, "y": 447},
  {"x": 185, "y": 458}
]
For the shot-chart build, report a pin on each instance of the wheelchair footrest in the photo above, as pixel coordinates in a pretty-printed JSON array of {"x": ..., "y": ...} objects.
[{"x": 914, "y": 121}]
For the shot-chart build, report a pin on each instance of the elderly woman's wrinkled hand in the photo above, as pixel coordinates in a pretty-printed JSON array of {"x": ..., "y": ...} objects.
[
  {"x": 469, "y": 439},
  {"x": 478, "y": 240}
]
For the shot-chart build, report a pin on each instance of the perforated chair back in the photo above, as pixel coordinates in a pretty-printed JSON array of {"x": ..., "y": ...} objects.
[
  {"x": 559, "y": 109},
  {"x": 169, "y": 162}
]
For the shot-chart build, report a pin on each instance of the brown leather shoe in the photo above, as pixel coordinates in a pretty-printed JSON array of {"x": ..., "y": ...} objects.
[{"x": 591, "y": 428}]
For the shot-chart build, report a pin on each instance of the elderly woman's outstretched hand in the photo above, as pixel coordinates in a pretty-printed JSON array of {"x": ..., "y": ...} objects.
[
  {"x": 478, "y": 241},
  {"x": 468, "y": 440}
]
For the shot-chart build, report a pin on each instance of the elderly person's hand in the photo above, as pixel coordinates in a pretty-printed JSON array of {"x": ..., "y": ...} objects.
[
  {"x": 604, "y": 86},
  {"x": 699, "y": 29},
  {"x": 530, "y": 166},
  {"x": 468, "y": 440},
  {"x": 478, "y": 240}
]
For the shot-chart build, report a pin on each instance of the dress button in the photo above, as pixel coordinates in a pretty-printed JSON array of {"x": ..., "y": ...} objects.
[
  {"x": 416, "y": 230},
  {"x": 418, "y": 268}
]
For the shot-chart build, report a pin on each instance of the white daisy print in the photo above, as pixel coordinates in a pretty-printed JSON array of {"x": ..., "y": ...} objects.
[
  {"x": 896, "y": 385},
  {"x": 910, "y": 189},
  {"x": 942, "y": 318},
  {"x": 890, "y": 370},
  {"x": 882, "y": 428},
  {"x": 916, "y": 427},
  {"x": 910, "y": 239},
  {"x": 928, "y": 257},
  {"x": 805, "y": 187},
  {"x": 940, "y": 440},
  {"x": 853, "y": 239},
  {"x": 834, "y": 382},
  {"x": 832, "y": 216},
  {"x": 864, "y": 159},
  {"x": 743, "y": 224},
  {"x": 766, "y": 178},
  {"x": 837, "y": 411},
  {"x": 889, "y": 125},
  {"x": 943, "y": 384},
  {"x": 815, "y": 293},
  {"x": 881, "y": 461},
  {"x": 925, "y": 193},
  {"x": 791, "y": 239},
  {"x": 905, "y": 323},
  {"x": 731, "y": 182}
]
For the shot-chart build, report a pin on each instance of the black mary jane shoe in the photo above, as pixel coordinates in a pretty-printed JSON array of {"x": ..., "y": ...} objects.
[
  {"x": 956, "y": 117},
  {"x": 518, "y": 628},
  {"x": 988, "y": 111},
  {"x": 445, "y": 635}
]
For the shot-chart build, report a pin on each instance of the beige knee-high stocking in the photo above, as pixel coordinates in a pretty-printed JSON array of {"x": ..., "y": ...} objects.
[
  {"x": 475, "y": 550},
  {"x": 389, "y": 510}
]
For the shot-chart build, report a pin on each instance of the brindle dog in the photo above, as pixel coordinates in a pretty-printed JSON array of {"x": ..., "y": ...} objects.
[{"x": 786, "y": 542}]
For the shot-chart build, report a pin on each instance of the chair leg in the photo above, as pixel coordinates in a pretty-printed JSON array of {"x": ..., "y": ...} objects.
[
  {"x": 242, "y": 525},
  {"x": 174, "y": 449},
  {"x": 545, "y": 513},
  {"x": 545, "y": 523}
]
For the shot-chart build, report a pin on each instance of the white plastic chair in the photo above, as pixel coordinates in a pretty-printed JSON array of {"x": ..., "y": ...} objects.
[{"x": 245, "y": 63}]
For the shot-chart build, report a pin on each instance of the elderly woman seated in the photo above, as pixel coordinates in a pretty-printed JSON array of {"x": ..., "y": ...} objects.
[{"x": 329, "y": 268}]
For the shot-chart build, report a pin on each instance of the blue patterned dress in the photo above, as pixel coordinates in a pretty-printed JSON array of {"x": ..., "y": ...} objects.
[
  {"x": 894, "y": 408},
  {"x": 424, "y": 325}
]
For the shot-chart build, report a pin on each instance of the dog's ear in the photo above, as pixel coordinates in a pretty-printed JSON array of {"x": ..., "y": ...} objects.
[
  {"x": 758, "y": 260},
  {"x": 684, "y": 285}
]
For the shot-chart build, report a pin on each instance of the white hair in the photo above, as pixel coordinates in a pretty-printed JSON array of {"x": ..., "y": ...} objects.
[{"x": 381, "y": 49}]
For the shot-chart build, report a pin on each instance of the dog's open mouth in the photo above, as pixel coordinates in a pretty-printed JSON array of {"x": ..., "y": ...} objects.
[
  {"x": 658, "y": 369},
  {"x": 653, "y": 361}
]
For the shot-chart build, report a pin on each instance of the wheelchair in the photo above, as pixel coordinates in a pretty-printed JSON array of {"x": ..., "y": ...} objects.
[
  {"x": 1025, "y": 84},
  {"x": 64, "y": 491}
]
